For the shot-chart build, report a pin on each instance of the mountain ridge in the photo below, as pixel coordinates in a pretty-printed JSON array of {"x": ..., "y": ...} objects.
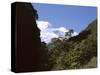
[{"x": 76, "y": 52}]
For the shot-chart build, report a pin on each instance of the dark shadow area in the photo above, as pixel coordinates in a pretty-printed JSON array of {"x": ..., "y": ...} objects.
[{"x": 28, "y": 52}]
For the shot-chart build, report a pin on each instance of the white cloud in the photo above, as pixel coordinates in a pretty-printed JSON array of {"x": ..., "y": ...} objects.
[
  {"x": 74, "y": 34},
  {"x": 48, "y": 32},
  {"x": 62, "y": 29},
  {"x": 43, "y": 24}
]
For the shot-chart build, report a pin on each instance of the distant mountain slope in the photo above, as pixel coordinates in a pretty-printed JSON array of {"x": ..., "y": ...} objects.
[
  {"x": 85, "y": 46},
  {"x": 91, "y": 29},
  {"x": 77, "y": 52},
  {"x": 92, "y": 50},
  {"x": 92, "y": 26}
]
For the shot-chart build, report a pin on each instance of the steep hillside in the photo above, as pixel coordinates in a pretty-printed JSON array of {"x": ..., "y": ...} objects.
[
  {"x": 77, "y": 52},
  {"x": 92, "y": 39}
]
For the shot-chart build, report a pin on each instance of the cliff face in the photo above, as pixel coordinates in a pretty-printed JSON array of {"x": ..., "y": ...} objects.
[{"x": 28, "y": 43}]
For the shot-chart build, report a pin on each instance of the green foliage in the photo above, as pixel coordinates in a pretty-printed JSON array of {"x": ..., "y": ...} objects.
[{"x": 74, "y": 52}]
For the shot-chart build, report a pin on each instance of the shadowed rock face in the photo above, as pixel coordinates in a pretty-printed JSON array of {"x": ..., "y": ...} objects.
[{"x": 28, "y": 52}]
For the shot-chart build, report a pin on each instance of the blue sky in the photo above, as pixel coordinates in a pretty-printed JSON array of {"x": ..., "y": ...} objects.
[{"x": 70, "y": 17}]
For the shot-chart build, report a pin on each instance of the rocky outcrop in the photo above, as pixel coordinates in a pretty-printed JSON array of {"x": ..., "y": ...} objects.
[{"x": 27, "y": 39}]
